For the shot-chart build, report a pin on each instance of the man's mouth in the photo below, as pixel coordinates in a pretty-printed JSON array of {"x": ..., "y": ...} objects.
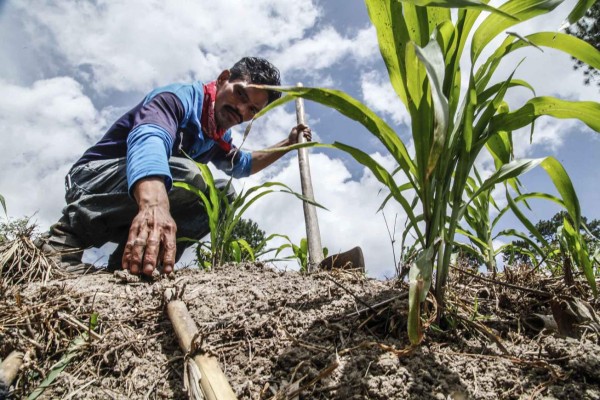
[{"x": 234, "y": 116}]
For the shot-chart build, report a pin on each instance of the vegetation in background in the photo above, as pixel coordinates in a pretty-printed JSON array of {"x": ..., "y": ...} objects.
[
  {"x": 555, "y": 250},
  {"x": 300, "y": 252},
  {"x": 223, "y": 217},
  {"x": 588, "y": 29},
  {"x": 422, "y": 45}
]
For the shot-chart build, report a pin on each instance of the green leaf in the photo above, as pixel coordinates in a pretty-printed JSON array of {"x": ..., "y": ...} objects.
[
  {"x": 236, "y": 252},
  {"x": 525, "y": 238},
  {"x": 578, "y": 11},
  {"x": 476, "y": 4},
  {"x": 507, "y": 171},
  {"x": 523, "y": 10},
  {"x": 587, "y": 112},
  {"x": 357, "y": 111},
  {"x": 392, "y": 35},
  {"x": 525, "y": 221},
  {"x": 420, "y": 274},
  {"x": 563, "y": 184},
  {"x": 72, "y": 352},
  {"x": 433, "y": 59},
  {"x": 575, "y": 47},
  {"x": 578, "y": 250},
  {"x": 3, "y": 204}
]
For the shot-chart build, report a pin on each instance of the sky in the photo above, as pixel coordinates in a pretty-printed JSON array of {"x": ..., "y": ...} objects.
[{"x": 71, "y": 68}]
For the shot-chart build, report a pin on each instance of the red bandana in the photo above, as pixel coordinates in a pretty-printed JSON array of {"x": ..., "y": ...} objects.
[{"x": 208, "y": 121}]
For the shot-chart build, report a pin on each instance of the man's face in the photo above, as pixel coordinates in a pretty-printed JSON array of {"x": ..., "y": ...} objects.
[{"x": 236, "y": 102}]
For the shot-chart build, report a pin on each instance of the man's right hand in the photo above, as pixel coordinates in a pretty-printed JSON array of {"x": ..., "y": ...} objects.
[{"x": 151, "y": 238}]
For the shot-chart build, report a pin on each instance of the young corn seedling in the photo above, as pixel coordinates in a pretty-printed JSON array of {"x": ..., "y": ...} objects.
[{"x": 224, "y": 214}]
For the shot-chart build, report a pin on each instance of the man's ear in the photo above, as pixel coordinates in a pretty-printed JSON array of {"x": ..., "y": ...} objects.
[{"x": 223, "y": 77}]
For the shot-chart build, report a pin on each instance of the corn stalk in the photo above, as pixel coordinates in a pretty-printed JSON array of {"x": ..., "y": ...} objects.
[{"x": 422, "y": 46}]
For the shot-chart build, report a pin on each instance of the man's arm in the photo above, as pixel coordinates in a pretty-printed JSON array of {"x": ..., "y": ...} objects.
[
  {"x": 151, "y": 238},
  {"x": 152, "y": 233},
  {"x": 262, "y": 159}
]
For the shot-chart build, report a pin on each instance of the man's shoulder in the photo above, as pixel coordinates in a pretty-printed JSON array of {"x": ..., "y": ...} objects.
[{"x": 180, "y": 89}]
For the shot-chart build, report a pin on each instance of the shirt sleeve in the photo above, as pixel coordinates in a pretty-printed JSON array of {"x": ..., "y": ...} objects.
[{"x": 150, "y": 142}]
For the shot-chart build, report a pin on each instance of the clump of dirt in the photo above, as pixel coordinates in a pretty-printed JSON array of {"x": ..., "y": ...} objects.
[{"x": 329, "y": 335}]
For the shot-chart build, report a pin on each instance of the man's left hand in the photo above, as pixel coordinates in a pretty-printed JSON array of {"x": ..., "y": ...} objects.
[{"x": 303, "y": 129}]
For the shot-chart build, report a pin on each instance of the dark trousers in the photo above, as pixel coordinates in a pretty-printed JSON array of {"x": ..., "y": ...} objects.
[{"x": 100, "y": 210}]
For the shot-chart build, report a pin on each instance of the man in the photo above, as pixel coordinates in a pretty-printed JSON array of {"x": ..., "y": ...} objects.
[{"x": 121, "y": 189}]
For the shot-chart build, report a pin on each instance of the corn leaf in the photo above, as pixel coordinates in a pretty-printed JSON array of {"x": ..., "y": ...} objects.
[
  {"x": 475, "y": 4},
  {"x": 523, "y": 10},
  {"x": 525, "y": 221},
  {"x": 357, "y": 111},
  {"x": 565, "y": 188},
  {"x": 431, "y": 55},
  {"x": 587, "y": 112},
  {"x": 419, "y": 276},
  {"x": 525, "y": 238},
  {"x": 579, "y": 11},
  {"x": 578, "y": 250},
  {"x": 3, "y": 203},
  {"x": 392, "y": 35},
  {"x": 575, "y": 47}
]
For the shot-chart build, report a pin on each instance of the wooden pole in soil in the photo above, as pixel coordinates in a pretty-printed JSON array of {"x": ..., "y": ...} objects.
[
  {"x": 213, "y": 382},
  {"x": 9, "y": 369},
  {"x": 313, "y": 235}
]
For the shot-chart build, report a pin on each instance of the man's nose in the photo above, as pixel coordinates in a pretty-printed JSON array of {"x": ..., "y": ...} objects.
[{"x": 244, "y": 111}]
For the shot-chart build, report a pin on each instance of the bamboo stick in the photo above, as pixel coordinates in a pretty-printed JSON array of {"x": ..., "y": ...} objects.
[
  {"x": 9, "y": 369},
  {"x": 213, "y": 383},
  {"x": 313, "y": 235}
]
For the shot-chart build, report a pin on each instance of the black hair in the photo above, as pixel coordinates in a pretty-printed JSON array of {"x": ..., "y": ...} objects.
[{"x": 259, "y": 71}]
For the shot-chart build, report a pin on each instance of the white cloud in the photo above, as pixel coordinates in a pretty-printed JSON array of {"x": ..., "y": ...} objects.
[
  {"x": 45, "y": 128},
  {"x": 380, "y": 96},
  {"x": 325, "y": 48},
  {"x": 135, "y": 45}
]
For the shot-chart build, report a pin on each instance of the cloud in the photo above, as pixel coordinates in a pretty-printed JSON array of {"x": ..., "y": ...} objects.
[
  {"x": 45, "y": 128},
  {"x": 326, "y": 48},
  {"x": 111, "y": 46},
  {"x": 380, "y": 96}
]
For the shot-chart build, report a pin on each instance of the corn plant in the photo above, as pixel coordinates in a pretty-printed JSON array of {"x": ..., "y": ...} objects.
[
  {"x": 224, "y": 214},
  {"x": 480, "y": 227},
  {"x": 422, "y": 44},
  {"x": 299, "y": 252},
  {"x": 3, "y": 204}
]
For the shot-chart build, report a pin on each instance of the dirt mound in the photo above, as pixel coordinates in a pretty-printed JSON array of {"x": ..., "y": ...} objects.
[{"x": 333, "y": 335}]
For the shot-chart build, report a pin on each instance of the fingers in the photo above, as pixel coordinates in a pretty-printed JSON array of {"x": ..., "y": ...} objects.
[
  {"x": 135, "y": 246},
  {"x": 169, "y": 250},
  {"x": 304, "y": 129},
  {"x": 150, "y": 243}
]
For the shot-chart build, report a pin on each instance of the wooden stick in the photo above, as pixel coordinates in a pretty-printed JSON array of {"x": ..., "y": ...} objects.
[
  {"x": 213, "y": 382},
  {"x": 313, "y": 235},
  {"x": 9, "y": 369}
]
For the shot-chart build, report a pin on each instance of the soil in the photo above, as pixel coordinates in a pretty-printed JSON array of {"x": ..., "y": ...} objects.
[{"x": 334, "y": 335}]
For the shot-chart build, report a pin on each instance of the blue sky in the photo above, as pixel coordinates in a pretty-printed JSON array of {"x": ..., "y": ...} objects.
[{"x": 70, "y": 68}]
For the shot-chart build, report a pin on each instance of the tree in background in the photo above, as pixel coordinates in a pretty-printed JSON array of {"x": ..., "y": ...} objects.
[
  {"x": 245, "y": 229},
  {"x": 248, "y": 230},
  {"x": 549, "y": 230},
  {"x": 588, "y": 29}
]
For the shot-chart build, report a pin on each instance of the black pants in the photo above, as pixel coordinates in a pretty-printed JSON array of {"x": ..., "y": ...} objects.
[{"x": 100, "y": 210}]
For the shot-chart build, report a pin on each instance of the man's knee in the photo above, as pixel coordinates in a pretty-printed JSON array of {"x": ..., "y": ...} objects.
[{"x": 186, "y": 170}]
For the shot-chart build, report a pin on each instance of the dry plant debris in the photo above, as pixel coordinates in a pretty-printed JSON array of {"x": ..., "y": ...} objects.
[{"x": 283, "y": 335}]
